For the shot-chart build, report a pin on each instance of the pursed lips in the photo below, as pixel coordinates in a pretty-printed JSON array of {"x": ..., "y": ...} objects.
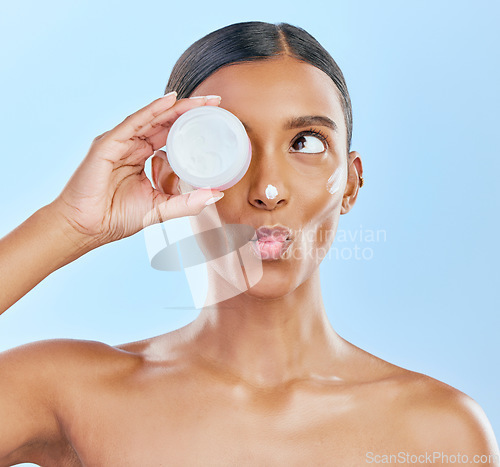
[
  {"x": 277, "y": 233},
  {"x": 272, "y": 242}
]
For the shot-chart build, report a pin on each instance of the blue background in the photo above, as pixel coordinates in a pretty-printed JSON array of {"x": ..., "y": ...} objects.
[{"x": 423, "y": 78}]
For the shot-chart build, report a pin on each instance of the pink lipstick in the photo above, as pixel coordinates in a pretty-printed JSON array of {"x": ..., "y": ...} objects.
[{"x": 271, "y": 242}]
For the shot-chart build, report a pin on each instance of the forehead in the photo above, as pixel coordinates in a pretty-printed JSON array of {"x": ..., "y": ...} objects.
[{"x": 274, "y": 89}]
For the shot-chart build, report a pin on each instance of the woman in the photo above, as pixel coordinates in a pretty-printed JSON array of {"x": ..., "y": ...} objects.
[{"x": 260, "y": 378}]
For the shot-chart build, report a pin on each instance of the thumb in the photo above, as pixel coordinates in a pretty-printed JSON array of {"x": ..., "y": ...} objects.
[{"x": 167, "y": 207}]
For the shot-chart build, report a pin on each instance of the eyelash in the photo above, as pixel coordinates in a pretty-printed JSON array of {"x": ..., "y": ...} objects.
[{"x": 314, "y": 132}]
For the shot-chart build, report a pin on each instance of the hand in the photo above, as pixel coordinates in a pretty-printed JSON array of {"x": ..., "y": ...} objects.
[{"x": 109, "y": 196}]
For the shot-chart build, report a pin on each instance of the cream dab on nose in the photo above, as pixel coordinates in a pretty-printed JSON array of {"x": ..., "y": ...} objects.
[
  {"x": 333, "y": 183},
  {"x": 271, "y": 192}
]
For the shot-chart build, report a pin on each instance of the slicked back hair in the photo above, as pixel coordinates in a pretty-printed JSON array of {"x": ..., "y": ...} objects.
[{"x": 251, "y": 41}]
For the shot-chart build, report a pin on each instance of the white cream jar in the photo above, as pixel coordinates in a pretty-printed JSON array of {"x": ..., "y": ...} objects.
[{"x": 208, "y": 147}]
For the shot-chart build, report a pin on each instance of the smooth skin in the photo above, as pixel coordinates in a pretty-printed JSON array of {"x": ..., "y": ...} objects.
[{"x": 259, "y": 379}]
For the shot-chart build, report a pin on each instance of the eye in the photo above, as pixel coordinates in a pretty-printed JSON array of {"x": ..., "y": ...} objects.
[{"x": 312, "y": 141}]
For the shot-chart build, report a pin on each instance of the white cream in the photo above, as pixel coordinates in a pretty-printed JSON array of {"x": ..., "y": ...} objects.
[
  {"x": 271, "y": 192},
  {"x": 204, "y": 149},
  {"x": 208, "y": 147},
  {"x": 335, "y": 180}
]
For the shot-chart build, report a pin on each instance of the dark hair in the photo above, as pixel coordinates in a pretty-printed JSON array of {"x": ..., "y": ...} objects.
[{"x": 249, "y": 41}]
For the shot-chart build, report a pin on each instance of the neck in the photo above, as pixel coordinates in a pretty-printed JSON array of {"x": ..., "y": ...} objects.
[{"x": 268, "y": 342}]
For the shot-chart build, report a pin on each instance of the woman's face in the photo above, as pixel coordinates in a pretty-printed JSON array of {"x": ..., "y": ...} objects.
[{"x": 299, "y": 168}]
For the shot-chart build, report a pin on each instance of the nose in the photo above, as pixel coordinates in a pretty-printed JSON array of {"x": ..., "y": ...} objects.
[{"x": 268, "y": 186}]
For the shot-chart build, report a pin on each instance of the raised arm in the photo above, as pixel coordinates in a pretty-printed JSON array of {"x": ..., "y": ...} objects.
[
  {"x": 39, "y": 246},
  {"x": 109, "y": 197}
]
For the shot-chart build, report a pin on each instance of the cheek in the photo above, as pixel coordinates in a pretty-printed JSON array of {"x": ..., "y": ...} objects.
[
  {"x": 220, "y": 230},
  {"x": 326, "y": 178},
  {"x": 319, "y": 198},
  {"x": 335, "y": 181},
  {"x": 320, "y": 208}
]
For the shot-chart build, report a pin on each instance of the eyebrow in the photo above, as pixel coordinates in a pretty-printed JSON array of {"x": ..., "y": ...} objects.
[{"x": 305, "y": 120}]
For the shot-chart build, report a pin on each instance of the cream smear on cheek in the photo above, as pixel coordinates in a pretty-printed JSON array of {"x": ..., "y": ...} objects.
[
  {"x": 271, "y": 192},
  {"x": 334, "y": 182}
]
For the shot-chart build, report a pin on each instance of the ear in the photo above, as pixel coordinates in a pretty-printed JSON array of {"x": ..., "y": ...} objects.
[
  {"x": 352, "y": 187},
  {"x": 164, "y": 178}
]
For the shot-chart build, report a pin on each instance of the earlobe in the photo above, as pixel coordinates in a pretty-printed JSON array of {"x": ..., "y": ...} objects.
[
  {"x": 165, "y": 179},
  {"x": 155, "y": 172},
  {"x": 353, "y": 182}
]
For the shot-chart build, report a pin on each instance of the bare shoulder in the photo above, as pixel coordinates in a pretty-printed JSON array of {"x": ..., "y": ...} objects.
[
  {"x": 61, "y": 349},
  {"x": 60, "y": 360},
  {"x": 438, "y": 417},
  {"x": 41, "y": 385},
  {"x": 73, "y": 358},
  {"x": 157, "y": 348}
]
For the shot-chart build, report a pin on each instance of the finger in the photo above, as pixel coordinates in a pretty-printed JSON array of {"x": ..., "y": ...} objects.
[
  {"x": 167, "y": 207},
  {"x": 159, "y": 138},
  {"x": 166, "y": 119},
  {"x": 156, "y": 134},
  {"x": 142, "y": 146},
  {"x": 134, "y": 122}
]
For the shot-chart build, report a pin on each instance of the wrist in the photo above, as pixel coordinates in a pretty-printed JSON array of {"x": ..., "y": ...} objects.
[{"x": 72, "y": 244}]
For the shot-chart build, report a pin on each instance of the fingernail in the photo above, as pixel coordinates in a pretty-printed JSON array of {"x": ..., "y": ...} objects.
[
  {"x": 214, "y": 97},
  {"x": 198, "y": 97},
  {"x": 214, "y": 199},
  {"x": 170, "y": 94}
]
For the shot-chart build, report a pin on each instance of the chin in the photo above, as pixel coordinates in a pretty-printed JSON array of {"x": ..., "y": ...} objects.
[{"x": 272, "y": 286}]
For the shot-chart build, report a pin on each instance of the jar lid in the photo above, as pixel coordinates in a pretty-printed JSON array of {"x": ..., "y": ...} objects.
[{"x": 208, "y": 147}]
